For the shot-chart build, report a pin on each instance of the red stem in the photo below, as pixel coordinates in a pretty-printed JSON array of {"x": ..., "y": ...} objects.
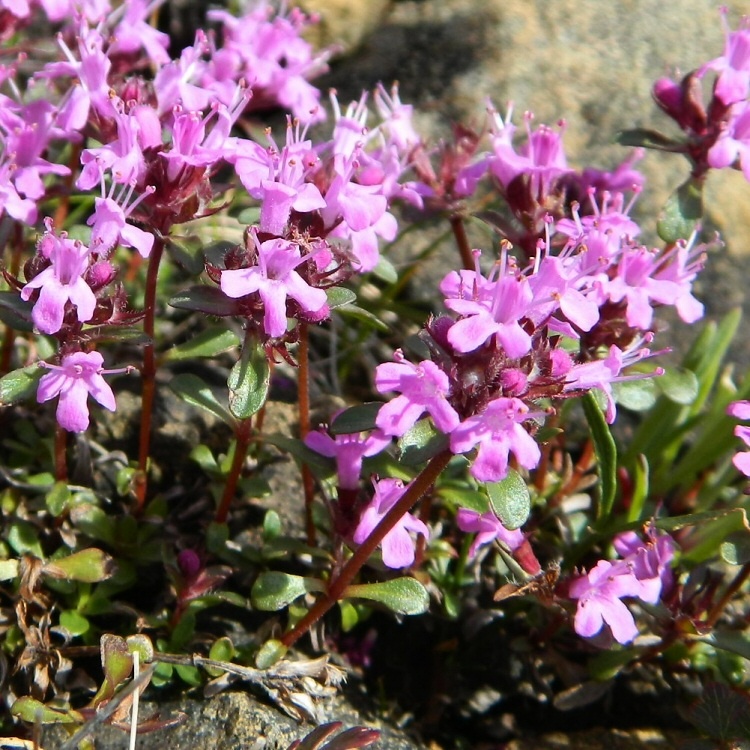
[
  {"x": 462, "y": 240},
  {"x": 148, "y": 373},
  {"x": 243, "y": 438},
  {"x": 308, "y": 483},
  {"x": 361, "y": 555},
  {"x": 61, "y": 454}
]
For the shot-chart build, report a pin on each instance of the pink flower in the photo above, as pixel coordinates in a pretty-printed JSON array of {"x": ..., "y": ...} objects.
[
  {"x": 487, "y": 527},
  {"x": 423, "y": 387},
  {"x": 78, "y": 375},
  {"x": 61, "y": 282},
  {"x": 599, "y": 593},
  {"x": 734, "y": 142},
  {"x": 348, "y": 450},
  {"x": 499, "y": 432},
  {"x": 275, "y": 279},
  {"x": 733, "y": 67},
  {"x": 741, "y": 410},
  {"x": 398, "y": 546}
]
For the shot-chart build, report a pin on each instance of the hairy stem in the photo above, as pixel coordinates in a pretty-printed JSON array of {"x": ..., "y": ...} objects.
[
  {"x": 338, "y": 585},
  {"x": 464, "y": 248},
  {"x": 308, "y": 484},
  {"x": 148, "y": 373}
]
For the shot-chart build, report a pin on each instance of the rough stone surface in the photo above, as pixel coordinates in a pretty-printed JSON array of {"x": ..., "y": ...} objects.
[
  {"x": 602, "y": 739},
  {"x": 231, "y": 721},
  {"x": 589, "y": 63},
  {"x": 344, "y": 23}
]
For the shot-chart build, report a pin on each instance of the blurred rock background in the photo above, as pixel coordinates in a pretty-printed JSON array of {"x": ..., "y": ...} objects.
[{"x": 589, "y": 62}]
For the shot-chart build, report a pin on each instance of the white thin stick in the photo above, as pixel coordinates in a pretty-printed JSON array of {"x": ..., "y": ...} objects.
[{"x": 136, "y": 695}]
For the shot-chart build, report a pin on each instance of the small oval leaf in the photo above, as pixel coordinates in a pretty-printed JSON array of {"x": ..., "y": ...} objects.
[
  {"x": 275, "y": 590},
  {"x": 211, "y": 342},
  {"x": 20, "y": 385},
  {"x": 356, "y": 419},
  {"x": 510, "y": 500},
  {"x": 405, "y": 596},
  {"x": 88, "y": 566},
  {"x": 270, "y": 653},
  {"x": 682, "y": 212},
  {"x": 195, "y": 391},
  {"x": 249, "y": 382}
]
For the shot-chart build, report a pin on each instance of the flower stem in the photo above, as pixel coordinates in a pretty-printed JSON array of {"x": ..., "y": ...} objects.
[
  {"x": 462, "y": 240},
  {"x": 361, "y": 555},
  {"x": 732, "y": 589},
  {"x": 148, "y": 373},
  {"x": 243, "y": 438},
  {"x": 304, "y": 426},
  {"x": 61, "y": 454}
]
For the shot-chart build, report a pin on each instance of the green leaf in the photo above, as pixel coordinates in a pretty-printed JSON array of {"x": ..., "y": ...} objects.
[
  {"x": 338, "y": 296},
  {"x": 679, "y": 385},
  {"x": 385, "y": 270},
  {"x": 322, "y": 466},
  {"x": 606, "y": 456},
  {"x": 636, "y": 395},
  {"x": 606, "y": 665},
  {"x": 682, "y": 212},
  {"x": 735, "y": 549},
  {"x": 33, "y": 711},
  {"x": 647, "y": 138},
  {"x": 364, "y": 316},
  {"x": 57, "y": 499},
  {"x": 349, "y": 615},
  {"x": 464, "y": 497},
  {"x": 23, "y": 537},
  {"x": 189, "y": 674},
  {"x": 510, "y": 500},
  {"x": 356, "y": 419},
  {"x": 8, "y": 570},
  {"x": 206, "y": 299},
  {"x": 730, "y": 640},
  {"x": 421, "y": 443},
  {"x": 116, "y": 334},
  {"x": 15, "y": 312},
  {"x": 141, "y": 644},
  {"x": 20, "y": 385},
  {"x": 722, "y": 713},
  {"x": 196, "y": 391},
  {"x": 87, "y": 566},
  {"x": 274, "y": 590},
  {"x": 270, "y": 653},
  {"x": 404, "y": 596},
  {"x": 271, "y": 525},
  {"x": 74, "y": 623},
  {"x": 222, "y": 649},
  {"x": 249, "y": 381},
  {"x": 213, "y": 341},
  {"x": 187, "y": 251}
]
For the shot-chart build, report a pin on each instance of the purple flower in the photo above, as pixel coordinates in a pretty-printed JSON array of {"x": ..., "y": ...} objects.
[
  {"x": 733, "y": 67},
  {"x": 61, "y": 282},
  {"x": 275, "y": 279},
  {"x": 541, "y": 158},
  {"x": 649, "y": 560},
  {"x": 510, "y": 302},
  {"x": 734, "y": 141},
  {"x": 423, "y": 387},
  {"x": 348, "y": 450},
  {"x": 109, "y": 226},
  {"x": 741, "y": 410},
  {"x": 77, "y": 376},
  {"x": 487, "y": 527},
  {"x": 498, "y": 431},
  {"x": 398, "y": 546},
  {"x": 599, "y": 593}
]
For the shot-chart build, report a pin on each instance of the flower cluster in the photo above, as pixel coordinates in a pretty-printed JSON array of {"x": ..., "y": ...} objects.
[{"x": 642, "y": 572}]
